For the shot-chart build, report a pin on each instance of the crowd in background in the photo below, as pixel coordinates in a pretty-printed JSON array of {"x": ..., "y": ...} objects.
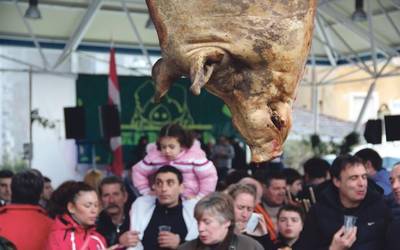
[{"x": 182, "y": 194}]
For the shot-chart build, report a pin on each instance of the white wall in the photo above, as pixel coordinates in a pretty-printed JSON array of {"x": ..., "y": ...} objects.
[
  {"x": 53, "y": 155},
  {"x": 357, "y": 101}
]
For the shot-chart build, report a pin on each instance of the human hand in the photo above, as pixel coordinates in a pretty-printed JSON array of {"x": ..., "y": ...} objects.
[
  {"x": 240, "y": 227},
  {"x": 343, "y": 240},
  {"x": 189, "y": 197},
  {"x": 129, "y": 239},
  {"x": 113, "y": 247},
  {"x": 261, "y": 228},
  {"x": 168, "y": 240}
]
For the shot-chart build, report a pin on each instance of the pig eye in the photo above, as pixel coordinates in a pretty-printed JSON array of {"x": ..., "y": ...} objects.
[{"x": 276, "y": 120}]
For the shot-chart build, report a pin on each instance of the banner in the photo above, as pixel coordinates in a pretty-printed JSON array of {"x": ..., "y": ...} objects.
[{"x": 141, "y": 116}]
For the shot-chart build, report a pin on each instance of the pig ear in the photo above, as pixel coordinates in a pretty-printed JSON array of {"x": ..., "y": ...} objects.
[
  {"x": 164, "y": 75},
  {"x": 202, "y": 68}
]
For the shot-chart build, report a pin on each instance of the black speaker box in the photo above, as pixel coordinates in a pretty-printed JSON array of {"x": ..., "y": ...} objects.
[
  {"x": 74, "y": 118},
  {"x": 109, "y": 121},
  {"x": 392, "y": 127},
  {"x": 373, "y": 131}
]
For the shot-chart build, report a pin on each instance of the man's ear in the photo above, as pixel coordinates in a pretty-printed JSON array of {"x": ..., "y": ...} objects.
[
  {"x": 336, "y": 182},
  {"x": 306, "y": 178},
  {"x": 227, "y": 224},
  {"x": 328, "y": 175},
  {"x": 181, "y": 188},
  {"x": 125, "y": 196},
  {"x": 264, "y": 186},
  {"x": 368, "y": 166}
]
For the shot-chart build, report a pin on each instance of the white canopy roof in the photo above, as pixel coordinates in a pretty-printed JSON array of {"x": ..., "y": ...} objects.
[{"x": 92, "y": 25}]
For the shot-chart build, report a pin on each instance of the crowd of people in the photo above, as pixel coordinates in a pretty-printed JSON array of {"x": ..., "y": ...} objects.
[{"x": 180, "y": 197}]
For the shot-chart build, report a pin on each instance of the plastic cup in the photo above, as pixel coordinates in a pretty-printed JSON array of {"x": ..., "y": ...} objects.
[
  {"x": 349, "y": 222},
  {"x": 164, "y": 228}
]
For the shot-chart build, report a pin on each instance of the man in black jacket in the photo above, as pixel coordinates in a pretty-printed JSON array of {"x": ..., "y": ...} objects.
[
  {"x": 348, "y": 194},
  {"x": 113, "y": 222},
  {"x": 393, "y": 200}
]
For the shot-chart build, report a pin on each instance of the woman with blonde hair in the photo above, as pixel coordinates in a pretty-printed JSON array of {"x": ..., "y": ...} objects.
[
  {"x": 93, "y": 178},
  {"x": 216, "y": 224}
]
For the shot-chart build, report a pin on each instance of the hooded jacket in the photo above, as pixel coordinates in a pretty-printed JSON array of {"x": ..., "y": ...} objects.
[
  {"x": 143, "y": 208},
  {"x": 325, "y": 218},
  {"x": 199, "y": 174},
  {"x": 67, "y": 234},
  {"x": 18, "y": 221},
  {"x": 393, "y": 239},
  {"x": 242, "y": 242},
  {"x": 394, "y": 207},
  {"x": 109, "y": 230},
  {"x": 381, "y": 178}
]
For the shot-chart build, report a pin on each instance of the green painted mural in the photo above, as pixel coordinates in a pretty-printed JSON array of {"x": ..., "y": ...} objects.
[{"x": 141, "y": 116}]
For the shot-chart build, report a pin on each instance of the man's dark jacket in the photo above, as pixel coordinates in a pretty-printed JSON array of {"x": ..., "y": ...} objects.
[
  {"x": 393, "y": 206},
  {"x": 325, "y": 218},
  {"x": 110, "y": 231},
  {"x": 393, "y": 236}
]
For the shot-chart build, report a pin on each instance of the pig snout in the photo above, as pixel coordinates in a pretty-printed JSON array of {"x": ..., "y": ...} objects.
[{"x": 264, "y": 127}]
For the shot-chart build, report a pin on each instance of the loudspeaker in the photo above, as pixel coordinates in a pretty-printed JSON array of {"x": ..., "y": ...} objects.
[
  {"x": 373, "y": 131},
  {"x": 392, "y": 127},
  {"x": 74, "y": 118},
  {"x": 109, "y": 121}
]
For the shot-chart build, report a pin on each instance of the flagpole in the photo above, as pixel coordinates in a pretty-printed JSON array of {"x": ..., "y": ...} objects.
[
  {"x": 112, "y": 40},
  {"x": 94, "y": 163},
  {"x": 114, "y": 98}
]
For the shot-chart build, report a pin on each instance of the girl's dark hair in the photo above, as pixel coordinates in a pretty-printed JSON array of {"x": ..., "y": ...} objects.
[
  {"x": 292, "y": 208},
  {"x": 65, "y": 193},
  {"x": 184, "y": 137}
]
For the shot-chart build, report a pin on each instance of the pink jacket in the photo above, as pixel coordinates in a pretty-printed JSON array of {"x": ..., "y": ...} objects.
[
  {"x": 66, "y": 234},
  {"x": 199, "y": 174}
]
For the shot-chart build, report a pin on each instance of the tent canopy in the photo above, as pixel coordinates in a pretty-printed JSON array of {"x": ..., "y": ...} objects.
[{"x": 93, "y": 25}]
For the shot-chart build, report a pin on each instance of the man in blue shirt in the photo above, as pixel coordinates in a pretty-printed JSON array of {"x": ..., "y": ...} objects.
[{"x": 373, "y": 163}]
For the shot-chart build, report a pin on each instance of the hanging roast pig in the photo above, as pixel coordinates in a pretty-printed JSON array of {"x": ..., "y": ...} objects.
[{"x": 250, "y": 53}]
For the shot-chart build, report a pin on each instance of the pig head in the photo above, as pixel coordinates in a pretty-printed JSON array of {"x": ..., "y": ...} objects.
[{"x": 249, "y": 53}]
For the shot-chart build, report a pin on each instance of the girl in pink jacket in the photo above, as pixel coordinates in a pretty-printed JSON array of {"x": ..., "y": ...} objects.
[{"x": 176, "y": 147}]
